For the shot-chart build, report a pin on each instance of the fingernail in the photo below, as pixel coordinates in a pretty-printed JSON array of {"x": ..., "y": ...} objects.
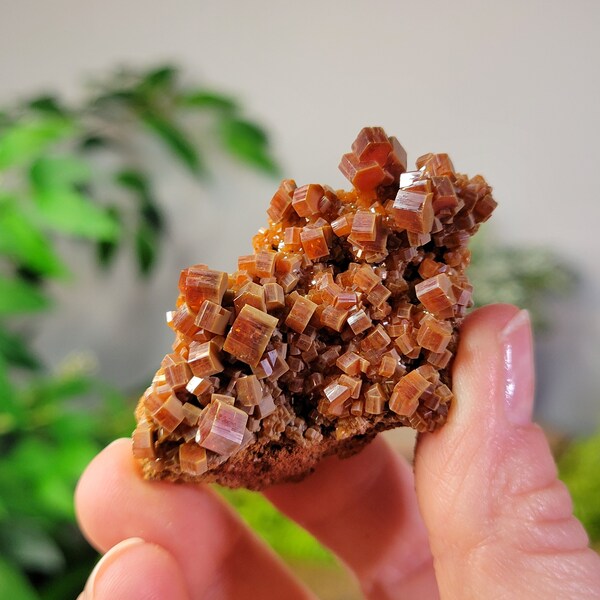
[
  {"x": 517, "y": 343},
  {"x": 105, "y": 561}
]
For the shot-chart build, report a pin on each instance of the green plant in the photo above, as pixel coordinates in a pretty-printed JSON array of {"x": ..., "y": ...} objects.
[
  {"x": 287, "y": 538},
  {"x": 80, "y": 172},
  {"x": 526, "y": 277},
  {"x": 579, "y": 468}
]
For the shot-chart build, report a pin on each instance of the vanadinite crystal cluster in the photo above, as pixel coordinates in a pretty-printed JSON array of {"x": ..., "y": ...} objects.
[{"x": 342, "y": 323}]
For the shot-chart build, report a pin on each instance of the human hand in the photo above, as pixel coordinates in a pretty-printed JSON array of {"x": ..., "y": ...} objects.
[{"x": 489, "y": 518}]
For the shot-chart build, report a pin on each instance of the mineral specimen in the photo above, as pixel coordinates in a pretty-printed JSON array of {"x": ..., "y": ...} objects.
[{"x": 343, "y": 323}]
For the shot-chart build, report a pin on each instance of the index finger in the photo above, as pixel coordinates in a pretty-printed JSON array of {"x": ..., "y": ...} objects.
[{"x": 218, "y": 555}]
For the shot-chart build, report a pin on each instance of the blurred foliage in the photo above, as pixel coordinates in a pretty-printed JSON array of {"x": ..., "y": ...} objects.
[
  {"x": 80, "y": 172},
  {"x": 525, "y": 277},
  {"x": 579, "y": 468},
  {"x": 287, "y": 538}
]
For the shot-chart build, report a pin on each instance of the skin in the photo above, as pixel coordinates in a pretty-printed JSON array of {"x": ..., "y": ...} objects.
[{"x": 481, "y": 515}]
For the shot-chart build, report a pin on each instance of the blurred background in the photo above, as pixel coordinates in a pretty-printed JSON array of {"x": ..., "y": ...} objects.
[{"x": 137, "y": 138}]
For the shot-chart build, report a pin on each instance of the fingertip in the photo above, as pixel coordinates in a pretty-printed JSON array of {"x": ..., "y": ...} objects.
[
  {"x": 102, "y": 473},
  {"x": 136, "y": 570},
  {"x": 454, "y": 461},
  {"x": 477, "y": 373},
  {"x": 493, "y": 315}
]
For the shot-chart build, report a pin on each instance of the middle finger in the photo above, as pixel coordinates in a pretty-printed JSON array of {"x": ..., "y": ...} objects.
[{"x": 365, "y": 509}]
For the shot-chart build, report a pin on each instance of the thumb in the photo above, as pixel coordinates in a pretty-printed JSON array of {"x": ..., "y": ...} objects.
[{"x": 499, "y": 520}]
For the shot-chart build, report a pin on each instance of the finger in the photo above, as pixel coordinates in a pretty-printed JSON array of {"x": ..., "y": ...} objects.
[
  {"x": 500, "y": 522},
  {"x": 364, "y": 508},
  {"x": 217, "y": 554},
  {"x": 136, "y": 570}
]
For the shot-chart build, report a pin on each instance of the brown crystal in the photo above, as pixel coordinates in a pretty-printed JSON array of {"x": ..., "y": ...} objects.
[
  {"x": 342, "y": 322},
  {"x": 342, "y": 226},
  {"x": 375, "y": 399},
  {"x": 143, "y": 444},
  {"x": 193, "y": 459},
  {"x": 281, "y": 203},
  {"x": 434, "y": 334},
  {"x": 201, "y": 284},
  {"x": 191, "y": 413},
  {"x": 212, "y": 317},
  {"x": 314, "y": 242},
  {"x": 183, "y": 320},
  {"x": 359, "y": 321},
  {"x": 334, "y": 318},
  {"x": 250, "y": 334},
  {"x": 372, "y": 144},
  {"x": 291, "y": 239},
  {"x": 250, "y": 293},
  {"x": 413, "y": 211},
  {"x": 397, "y": 160},
  {"x": 264, "y": 263},
  {"x": 170, "y": 414},
  {"x": 176, "y": 371},
  {"x": 204, "y": 359},
  {"x": 364, "y": 226},
  {"x": 222, "y": 428},
  {"x": 249, "y": 390},
  {"x": 364, "y": 176},
  {"x": 437, "y": 295},
  {"x": 198, "y": 385},
  {"x": 301, "y": 313},
  {"x": 306, "y": 199},
  {"x": 405, "y": 397}
]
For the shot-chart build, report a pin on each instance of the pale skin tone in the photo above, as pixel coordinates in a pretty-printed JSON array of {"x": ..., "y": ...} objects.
[{"x": 481, "y": 515}]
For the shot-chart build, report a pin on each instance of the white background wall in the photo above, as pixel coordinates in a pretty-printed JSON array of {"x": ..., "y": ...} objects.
[{"x": 510, "y": 89}]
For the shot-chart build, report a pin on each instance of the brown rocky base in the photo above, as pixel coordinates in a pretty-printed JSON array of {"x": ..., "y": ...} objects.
[{"x": 341, "y": 324}]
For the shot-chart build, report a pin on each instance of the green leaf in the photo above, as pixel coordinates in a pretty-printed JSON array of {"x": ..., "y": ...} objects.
[
  {"x": 175, "y": 140},
  {"x": 106, "y": 250},
  {"x": 161, "y": 77},
  {"x": 23, "y": 242},
  {"x": 138, "y": 182},
  {"x": 15, "y": 350},
  {"x": 57, "y": 495},
  {"x": 10, "y": 410},
  {"x": 31, "y": 547},
  {"x": 72, "y": 427},
  {"x": 55, "y": 391},
  {"x": 13, "y": 583},
  {"x": 72, "y": 581},
  {"x": 578, "y": 468},
  {"x": 209, "y": 99},
  {"x": 151, "y": 215},
  {"x": 19, "y": 297},
  {"x": 285, "y": 537},
  {"x": 58, "y": 172},
  {"x": 119, "y": 96},
  {"x": 145, "y": 248},
  {"x": 93, "y": 142},
  {"x": 249, "y": 142},
  {"x": 32, "y": 456},
  {"x": 239, "y": 129},
  {"x": 134, "y": 180},
  {"x": 77, "y": 447},
  {"x": 70, "y": 212},
  {"x": 48, "y": 104},
  {"x": 26, "y": 139},
  {"x": 5, "y": 120}
]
